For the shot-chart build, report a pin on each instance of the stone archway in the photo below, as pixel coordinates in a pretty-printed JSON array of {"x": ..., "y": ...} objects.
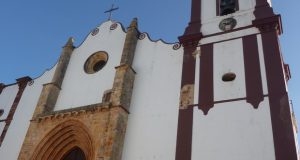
[
  {"x": 64, "y": 138},
  {"x": 74, "y": 154}
]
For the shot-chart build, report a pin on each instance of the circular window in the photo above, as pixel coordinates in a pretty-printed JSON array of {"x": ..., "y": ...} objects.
[
  {"x": 229, "y": 77},
  {"x": 1, "y": 112},
  {"x": 95, "y": 62}
]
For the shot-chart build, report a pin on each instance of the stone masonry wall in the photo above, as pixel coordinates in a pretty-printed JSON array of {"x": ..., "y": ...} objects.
[{"x": 103, "y": 124}]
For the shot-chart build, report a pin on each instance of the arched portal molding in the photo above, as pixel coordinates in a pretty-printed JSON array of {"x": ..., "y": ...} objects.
[{"x": 63, "y": 138}]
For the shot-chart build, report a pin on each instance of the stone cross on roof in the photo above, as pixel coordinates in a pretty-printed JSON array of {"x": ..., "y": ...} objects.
[{"x": 111, "y": 10}]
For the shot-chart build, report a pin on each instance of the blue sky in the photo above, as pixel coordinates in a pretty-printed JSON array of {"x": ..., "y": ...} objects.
[{"x": 32, "y": 32}]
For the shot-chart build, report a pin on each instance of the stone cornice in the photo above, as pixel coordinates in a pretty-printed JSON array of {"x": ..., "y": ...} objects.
[
  {"x": 72, "y": 112},
  {"x": 269, "y": 24},
  {"x": 190, "y": 40}
]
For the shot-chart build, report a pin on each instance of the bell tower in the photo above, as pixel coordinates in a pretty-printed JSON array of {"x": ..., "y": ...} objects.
[{"x": 234, "y": 102}]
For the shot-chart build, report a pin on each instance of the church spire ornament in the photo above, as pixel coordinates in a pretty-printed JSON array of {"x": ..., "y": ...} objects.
[{"x": 113, "y": 8}]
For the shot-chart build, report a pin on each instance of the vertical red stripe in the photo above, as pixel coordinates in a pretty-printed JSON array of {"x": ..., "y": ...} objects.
[
  {"x": 254, "y": 89},
  {"x": 218, "y": 7},
  {"x": 190, "y": 40},
  {"x": 185, "y": 120},
  {"x": 189, "y": 63},
  {"x": 206, "y": 85},
  {"x": 263, "y": 9},
  {"x": 196, "y": 11},
  {"x": 283, "y": 134},
  {"x": 195, "y": 22},
  {"x": 184, "y": 134},
  {"x": 260, "y": 3},
  {"x": 22, "y": 82}
]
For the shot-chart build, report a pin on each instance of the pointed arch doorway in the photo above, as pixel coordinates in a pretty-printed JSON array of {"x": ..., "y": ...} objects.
[
  {"x": 70, "y": 140},
  {"x": 74, "y": 154}
]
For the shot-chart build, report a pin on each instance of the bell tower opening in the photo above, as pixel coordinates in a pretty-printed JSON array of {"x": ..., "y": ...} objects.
[
  {"x": 227, "y": 6},
  {"x": 75, "y": 154}
]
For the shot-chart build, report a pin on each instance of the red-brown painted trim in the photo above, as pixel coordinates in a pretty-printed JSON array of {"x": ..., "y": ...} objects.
[
  {"x": 189, "y": 66},
  {"x": 2, "y": 86},
  {"x": 184, "y": 134},
  {"x": 253, "y": 78},
  {"x": 185, "y": 119},
  {"x": 218, "y": 7},
  {"x": 233, "y": 100},
  {"x": 283, "y": 131},
  {"x": 195, "y": 23},
  {"x": 192, "y": 32},
  {"x": 196, "y": 11},
  {"x": 206, "y": 84},
  {"x": 22, "y": 83},
  {"x": 226, "y": 101},
  {"x": 189, "y": 40},
  {"x": 229, "y": 31},
  {"x": 287, "y": 71},
  {"x": 269, "y": 23},
  {"x": 263, "y": 10},
  {"x": 230, "y": 39}
]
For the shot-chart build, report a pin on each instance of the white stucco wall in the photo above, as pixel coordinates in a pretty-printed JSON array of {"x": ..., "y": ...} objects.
[
  {"x": 230, "y": 130},
  {"x": 152, "y": 124},
  {"x": 7, "y": 98},
  {"x": 208, "y": 9},
  {"x": 2, "y": 125},
  {"x": 262, "y": 65},
  {"x": 246, "y": 4},
  {"x": 233, "y": 131},
  {"x": 18, "y": 128},
  {"x": 243, "y": 18},
  {"x": 231, "y": 35},
  {"x": 228, "y": 57},
  {"x": 210, "y": 21},
  {"x": 80, "y": 88}
]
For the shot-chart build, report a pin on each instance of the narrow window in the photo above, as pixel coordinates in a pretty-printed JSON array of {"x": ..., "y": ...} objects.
[{"x": 225, "y": 7}]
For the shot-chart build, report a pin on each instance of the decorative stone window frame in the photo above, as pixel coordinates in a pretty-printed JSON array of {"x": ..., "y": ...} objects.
[{"x": 90, "y": 65}]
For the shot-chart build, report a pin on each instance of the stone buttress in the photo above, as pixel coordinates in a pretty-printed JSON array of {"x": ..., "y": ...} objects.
[{"x": 97, "y": 129}]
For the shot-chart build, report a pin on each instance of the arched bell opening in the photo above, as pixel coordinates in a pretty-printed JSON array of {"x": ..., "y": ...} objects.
[{"x": 227, "y": 6}]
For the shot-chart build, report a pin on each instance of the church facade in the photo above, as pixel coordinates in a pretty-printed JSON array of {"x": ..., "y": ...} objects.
[{"x": 220, "y": 93}]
